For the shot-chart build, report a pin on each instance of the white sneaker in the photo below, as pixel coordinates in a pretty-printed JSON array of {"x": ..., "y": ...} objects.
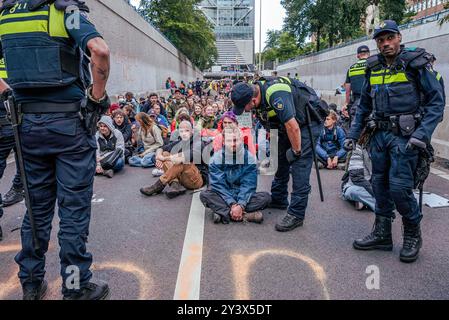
[{"x": 157, "y": 173}]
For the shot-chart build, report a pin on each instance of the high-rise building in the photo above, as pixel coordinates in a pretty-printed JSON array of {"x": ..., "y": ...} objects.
[{"x": 234, "y": 25}]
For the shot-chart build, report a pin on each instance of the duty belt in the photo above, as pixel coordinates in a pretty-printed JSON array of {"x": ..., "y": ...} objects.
[{"x": 46, "y": 107}]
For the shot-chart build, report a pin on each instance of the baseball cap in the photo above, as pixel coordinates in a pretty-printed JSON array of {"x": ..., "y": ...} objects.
[
  {"x": 152, "y": 113},
  {"x": 362, "y": 49},
  {"x": 241, "y": 95},
  {"x": 386, "y": 26}
]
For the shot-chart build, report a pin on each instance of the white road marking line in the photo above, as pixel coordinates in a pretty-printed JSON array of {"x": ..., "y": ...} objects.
[{"x": 189, "y": 274}]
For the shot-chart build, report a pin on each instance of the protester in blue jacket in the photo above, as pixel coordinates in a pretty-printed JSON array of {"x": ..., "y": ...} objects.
[
  {"x": 233, "y": 183},
  {"x": 330, "y": 146}
]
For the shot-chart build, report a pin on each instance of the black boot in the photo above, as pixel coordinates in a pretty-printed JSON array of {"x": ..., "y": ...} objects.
[
  {"x": 379, "y": 239},
  {"x": 174, "y": 190},
  {"x": 288, "y": 223},
  {"x": 1, "y": 233},
  {"x": 91, "y": 291},
  {"x": 36, "y": 293},
  {"x": 156, "y": 188},
  {"x": 412, "y": 242},
  {"x": 12, "y": 197}
]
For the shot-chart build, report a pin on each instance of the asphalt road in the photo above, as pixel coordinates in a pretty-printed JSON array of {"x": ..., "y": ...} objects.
[{"x": 138, "y": 244}]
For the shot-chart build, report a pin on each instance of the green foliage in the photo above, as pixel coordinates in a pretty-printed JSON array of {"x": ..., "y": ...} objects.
[
  {"x": 185, "y": 26},
  {"x": 280, "y": 45},
  {"x": 334, "y": 20},
  {"x": 445, "y": 19}
]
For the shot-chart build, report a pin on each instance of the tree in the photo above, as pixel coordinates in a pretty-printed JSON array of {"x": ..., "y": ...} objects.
[
  {"x": 185, "y": 26},
  {"x": 335, "y": 21},
  {"x": 280, "y": 45}
]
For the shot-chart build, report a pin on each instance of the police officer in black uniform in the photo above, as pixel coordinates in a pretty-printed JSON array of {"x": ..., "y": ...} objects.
[
  {"x": 280, "y": 104},
  {"x": 355, "y": 79},
  {"x": 403, "y": 95},
  {"x": 47, "y": 71},
  {"x": 7, "y": 143}
]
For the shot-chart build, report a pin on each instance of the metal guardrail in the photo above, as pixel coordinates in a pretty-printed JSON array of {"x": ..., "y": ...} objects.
[{"x": 424, "y": 20}]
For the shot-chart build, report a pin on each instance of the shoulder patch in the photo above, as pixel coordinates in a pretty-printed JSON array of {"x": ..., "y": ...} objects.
[{"x": 278, "y": 104}]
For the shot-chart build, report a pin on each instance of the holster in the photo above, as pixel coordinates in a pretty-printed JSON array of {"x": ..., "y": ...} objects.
[{"x": 90, "y": 114}]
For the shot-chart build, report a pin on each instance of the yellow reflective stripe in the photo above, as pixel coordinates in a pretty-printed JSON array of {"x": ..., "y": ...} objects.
[
  {"x": 3, "y": 74},
  {"x": 57, "y": 23},
  {"x": 286, "y": 79},
  {"x": 272, "y": 114},
  {"x": 23, "y": 15},
  {"x": 277, "y": 87},
  {"x": 355, "y": 72},
  {"x": 439, "y": 76},
  {"x": 388, "y": 79},
  {"x": 24, "y": 27}
]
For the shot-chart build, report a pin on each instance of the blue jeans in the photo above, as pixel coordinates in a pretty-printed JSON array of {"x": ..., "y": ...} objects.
[
  {"x": 147, "y": 161},
  {"x": 393, "y": 176},
  {"x": 300, "y": 171},
  {"x": 359, "y": 194},
  {"x": 119, "y": 165}
]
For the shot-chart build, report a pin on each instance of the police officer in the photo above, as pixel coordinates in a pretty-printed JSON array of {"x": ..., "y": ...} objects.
[
  {"x": 46, "y": 65},
  {"x": 355, "y": 78},
  {"x": 403, "y": 95},
  {"x": 280, "y": 104},
  {"x": 7, "y": 143}
]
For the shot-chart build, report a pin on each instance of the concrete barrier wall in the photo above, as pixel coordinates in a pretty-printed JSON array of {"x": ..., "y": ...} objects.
[
  {"x": 141, "y": 57},
  {"x": 327, "y": 71}
]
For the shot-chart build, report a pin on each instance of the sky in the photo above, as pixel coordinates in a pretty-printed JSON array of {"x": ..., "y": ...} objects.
[{"x": 272, "y": 18}]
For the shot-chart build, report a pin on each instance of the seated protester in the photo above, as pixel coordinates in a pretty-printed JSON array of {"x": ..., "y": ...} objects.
[
  {"x": 110, "y": 148},
  {"x": 112, "y": 108},
  {"x": 150, "y": 136},
  {"x": 229, "y": 120},
  {"x": 129, "y": 113},
  {"x": 161, "y": 122},
  {"x": 356, "y": 186},
  {"x": 207, "y": 122},
  {"x": 181, "y": 115},
  {"x": 233, "y": 183},
  {"x": 122, "y": 124},
  {"x": 197, "y": 113},
  {"x": 344, "y": 120},
  {"x": 159, "y": 118},
  {"x": 153, "y": 100},
  {"x": 177, "y": 160},
  {"x": 190, "y": 104},
  {"x": 330, "y": 146}
]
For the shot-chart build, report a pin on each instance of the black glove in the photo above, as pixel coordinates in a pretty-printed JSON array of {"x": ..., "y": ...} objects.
[
  {"x": 415, "y": 144},
  {"x": 292, "y": 156},
  {"x": 349, "y": 144}
]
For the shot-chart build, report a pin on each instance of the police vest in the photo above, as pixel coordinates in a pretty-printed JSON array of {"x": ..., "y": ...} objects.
[
  {"x": 36, "y": 46},
  {"x": 394, "y": 89},
  {"x": 357, "y": 77},
  {"x": 302, "y": 96},
  {"x": 3, "y": 73}
]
